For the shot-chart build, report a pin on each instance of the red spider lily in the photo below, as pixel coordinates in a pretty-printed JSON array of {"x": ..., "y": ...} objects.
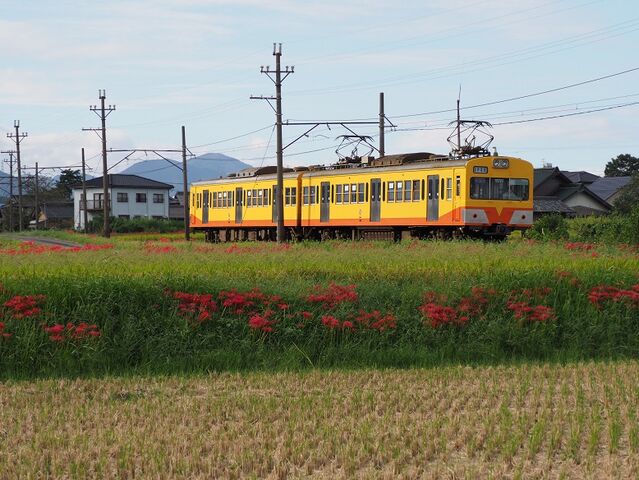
[
  {"x": 579, "y": 246},
  {"x": 572, "y": 278},
  {"x": 23, "y": 306},
  {"x": 306, "y": 315},
  {"x": 333, "y": 323},
  {"x": 524, "y": 311},
  {"x": 31, "y": 248},
  {"x": 333, "y": 295},
  {"x": 468, "y": 307},
  {"x": 603, "y": 293},
  {"x": 375, "y": 320},
  {"x": 261, "y": 322},
  {"x": 237, "y": 302},
  {"x": 3, "y": 334},
  {"x": 59, "y": 332},
  {"x": 150, "y": 247},
  {"x": 200, "y": 306}
]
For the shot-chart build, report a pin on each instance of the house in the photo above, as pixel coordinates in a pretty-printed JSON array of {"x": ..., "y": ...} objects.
[
  {"x": 566, "y": 193},
  {"x": 609, "y": 188},
  {"x": 130, "y": 196},
  {"x": 176, "y": 207},
  {"x": 55, "y": 214}
]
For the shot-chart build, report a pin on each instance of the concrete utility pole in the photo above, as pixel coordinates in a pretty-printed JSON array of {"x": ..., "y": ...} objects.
[
  {"x": 103, "y": 112},
  {"x": 83, "y": 202},
  {"x": 279, "y": 197},
  {"x": 37, "y": 187},
  {"x": 17, "y": 138},
  {"x": 10, "y": 162},
  {"x": 185, "y": 187},
  {"x": 382, "y": 124}
]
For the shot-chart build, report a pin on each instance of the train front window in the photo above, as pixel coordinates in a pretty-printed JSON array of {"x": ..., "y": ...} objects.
[{"x": 482, "y": 188}]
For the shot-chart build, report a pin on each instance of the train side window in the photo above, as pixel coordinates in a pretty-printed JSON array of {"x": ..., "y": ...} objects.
[
  {"x": 399, "y": 188},
  {"x": 231, "y": 198},
  {"x": 458, "y": 185},
  {"x": 332, "y": 193},
  {"x": 408, "y": 191},
  {"x": 416, "y": 194},
  {"x": 449, "y": 188},
  {"x": 353, "y": 193},
  {"x": 346, "y": 196},
  {"x": 360, "y": 193},
  {"x": 441, "y": 190},
  {"x": 249, "y": 198},
  {"x": 391, "y": 191},
  {"x": 305, "y": 193},
  {"x": 338, "y": 196},
  {"x": 366, "y": 195},
  {"x": 423, "y": 189},
  {"x": 383, "y": 191},
  {"x": 260, "y": 198}
]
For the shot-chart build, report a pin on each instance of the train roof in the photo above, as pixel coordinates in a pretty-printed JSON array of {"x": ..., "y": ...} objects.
[{"x": 400, "y": 162}]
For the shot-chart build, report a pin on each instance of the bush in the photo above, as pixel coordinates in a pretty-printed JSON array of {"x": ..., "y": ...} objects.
[
  {"x": 137, "y": 225},
  {"x": 613, "y": 229},
  {"x": 549, "y": 227}
]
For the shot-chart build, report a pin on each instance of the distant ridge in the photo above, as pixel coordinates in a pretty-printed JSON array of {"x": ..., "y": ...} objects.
[{"x": 203, "y": 167}]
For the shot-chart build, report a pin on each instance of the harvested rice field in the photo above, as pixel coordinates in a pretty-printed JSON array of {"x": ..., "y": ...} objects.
[{"x": 529, "y": 421}]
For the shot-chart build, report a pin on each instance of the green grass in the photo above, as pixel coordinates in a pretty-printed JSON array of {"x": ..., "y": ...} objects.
[{"x": 122, "y": 290}]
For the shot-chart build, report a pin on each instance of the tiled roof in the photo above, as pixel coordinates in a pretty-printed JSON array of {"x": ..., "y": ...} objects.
[
  {"x": 121, "y": 180},
  {"x": 550, "y": 205},
  {"x": 606, "y": 187},
  {"x": 581, "y": 176}
]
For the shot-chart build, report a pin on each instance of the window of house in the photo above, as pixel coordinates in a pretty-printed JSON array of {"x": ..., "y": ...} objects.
[
  {"x": 391, "y": 191},
  {"x": 140, "y": 197},
  {"x": 449, "y": 188},
  {"x": 126, "y": 217},
  {"x": 457, "y": 185},
  {"x": 158, "y": 198},
  {"x": 122, "y": 197},
  {"x": 157, "y": 217}
]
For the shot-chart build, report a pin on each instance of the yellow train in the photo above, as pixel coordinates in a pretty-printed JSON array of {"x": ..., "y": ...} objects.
[{"x": 416, "y": 194}]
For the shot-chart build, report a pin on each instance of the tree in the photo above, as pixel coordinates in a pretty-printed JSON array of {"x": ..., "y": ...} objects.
[
  {"x": 623, "y": 165},
  {"x": 67, "y": 179},
  {"x": 628, "y": 196}
]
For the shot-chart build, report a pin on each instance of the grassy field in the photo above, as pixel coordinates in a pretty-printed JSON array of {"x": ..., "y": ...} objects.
[
  {"x": 577, "y": 421},
  {"x": 165, "y": 306}
]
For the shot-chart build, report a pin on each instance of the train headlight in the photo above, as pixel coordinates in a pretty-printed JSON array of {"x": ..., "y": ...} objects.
[{"x": 501, "y": 163}]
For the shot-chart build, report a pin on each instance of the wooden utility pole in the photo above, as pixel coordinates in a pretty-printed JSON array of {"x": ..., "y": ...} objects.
[
  {"x": 103, "y": 112},
  {"x": 185, "y": 187},
  {"x": 83, "y": 201},
  {"x": 17, "y": 138},
  {"x": 279, "y": 196}
]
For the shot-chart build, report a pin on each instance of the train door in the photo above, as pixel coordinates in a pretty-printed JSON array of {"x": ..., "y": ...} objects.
[
  {"x": 239, "y": 200},
  {"x": 274, "y": 198},
  {"x": 376, "y": 197},
  {"x": 205, "y": 207},
  {"x": 325, "y": 201},
  {"x": 433, "y": 198}
]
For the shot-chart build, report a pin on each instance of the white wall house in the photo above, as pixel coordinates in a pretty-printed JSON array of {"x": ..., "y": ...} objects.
[{"x": 130, "y": 196}]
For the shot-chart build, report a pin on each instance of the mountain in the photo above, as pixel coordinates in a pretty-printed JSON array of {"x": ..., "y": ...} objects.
[
  {"x": 4, "y": 185},
  {"x": 203, "y": 167}
]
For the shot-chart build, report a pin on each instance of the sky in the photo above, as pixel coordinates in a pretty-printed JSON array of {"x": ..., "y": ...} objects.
[{"x": 168, "y": 63}]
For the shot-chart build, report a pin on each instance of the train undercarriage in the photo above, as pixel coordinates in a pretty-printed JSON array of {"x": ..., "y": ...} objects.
[{"x": 494, "y": 232}]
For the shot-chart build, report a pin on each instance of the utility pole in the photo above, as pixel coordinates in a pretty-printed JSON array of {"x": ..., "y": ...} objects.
[
  {"x": 279, "y": 197},
  {"x": 103, "y": 112},
  {"x": 17, "y": 138},
  {"x": 36, "y": 195},
  {"x": 10, "y": 152},
  {"x": 185, "y": 187},
  {"x": 382, "y": 124},
  {"x": 83, "y": 202}
]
